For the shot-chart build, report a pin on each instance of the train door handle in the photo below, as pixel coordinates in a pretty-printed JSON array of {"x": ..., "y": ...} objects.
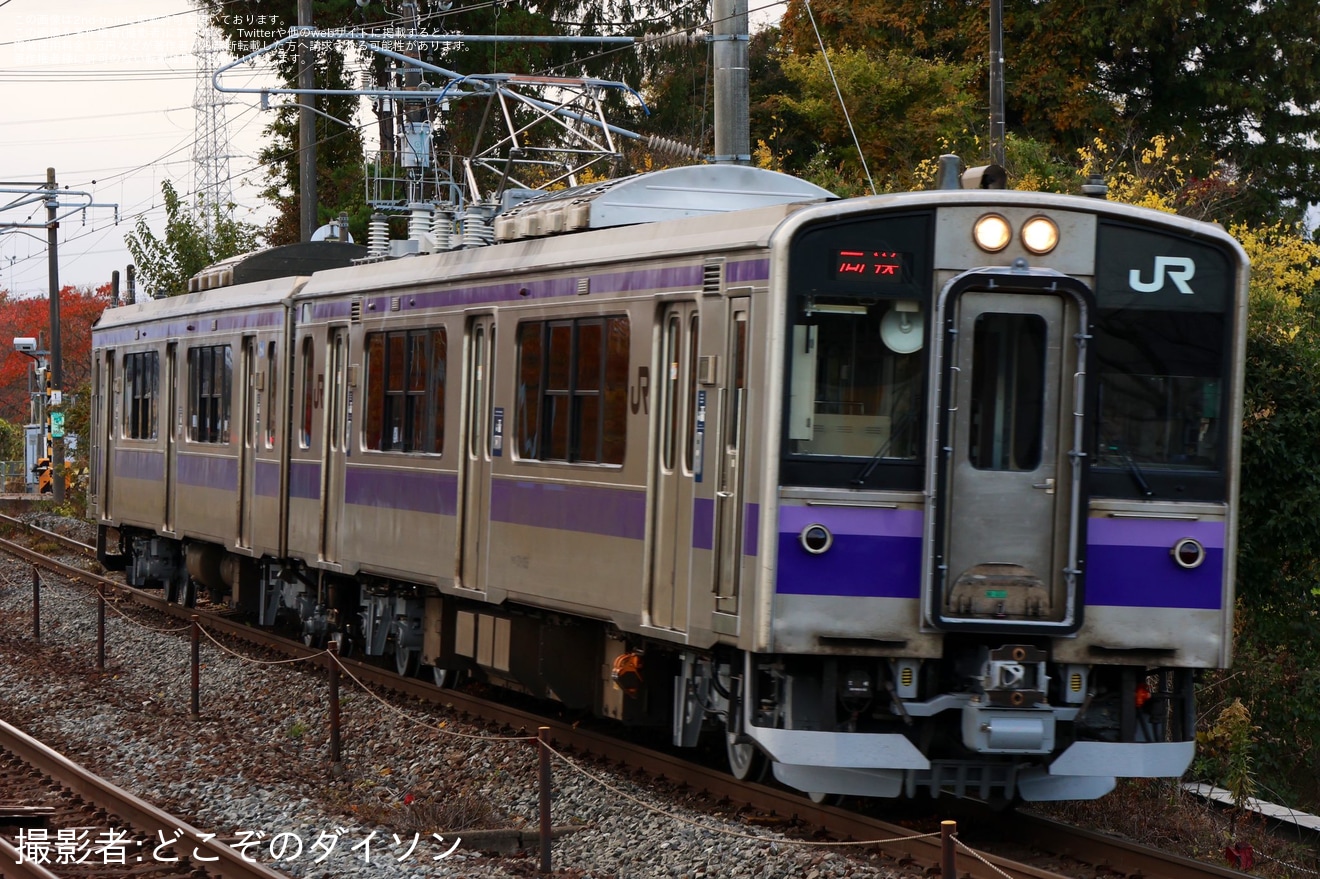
[
  {"x": 724, "y": 494},
  {"x": 1047, "y": 485}
]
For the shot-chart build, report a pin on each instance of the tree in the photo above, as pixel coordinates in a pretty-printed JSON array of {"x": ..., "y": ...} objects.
[
  {"x": 79, "y": 309},
  {"x": 1237, "y": 84},
  {"x": 164, "y": 265}
]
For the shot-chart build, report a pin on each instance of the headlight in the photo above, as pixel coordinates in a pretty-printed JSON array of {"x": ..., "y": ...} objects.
[
  {"x": 1040, "y": 235},
  {"x": 992, "y": 233}
]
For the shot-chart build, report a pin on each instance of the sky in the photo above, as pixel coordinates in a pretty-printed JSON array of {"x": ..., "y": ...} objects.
[{"x": 104, "y": 94}]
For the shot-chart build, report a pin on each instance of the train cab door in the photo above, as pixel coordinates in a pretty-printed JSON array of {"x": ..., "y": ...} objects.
[
  {"x": 674, "y": 478},
  {"x": 478, "y": 383},
  {"x": 247, "y": 447},
  {"x": 171, "y": 427},
  {"x": 1008, "y": 544},
  {"x": 730, "y": 514},
  {"x": 334, "y": 443}
]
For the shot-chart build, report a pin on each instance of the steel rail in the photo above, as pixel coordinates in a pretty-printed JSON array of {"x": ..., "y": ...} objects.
[{"x": 213, "y": 857}]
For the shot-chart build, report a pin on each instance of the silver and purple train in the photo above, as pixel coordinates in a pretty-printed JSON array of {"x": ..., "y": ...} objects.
[{"x": 919, "y": 492}]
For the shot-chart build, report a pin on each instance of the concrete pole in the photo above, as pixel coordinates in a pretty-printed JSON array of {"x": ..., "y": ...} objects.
[
  {"x": 306, "y": 130},
  {"x": 997, "y": 82},
  {"x": 56, "y": 370},
  {"x": 732, "y": 130}
]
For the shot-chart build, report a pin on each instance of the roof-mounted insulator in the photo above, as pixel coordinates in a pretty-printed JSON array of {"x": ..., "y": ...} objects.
[
  {"x": 419, "y": 226},
  {"x": 442, "y": 229},
  {"x": 378, "y": 236}
]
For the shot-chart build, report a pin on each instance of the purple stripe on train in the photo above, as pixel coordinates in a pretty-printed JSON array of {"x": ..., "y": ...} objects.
[
  {"x": 197, "y": 326},
  {"x": 266, "y": 479},
  {"x": 140, "y": 464},
  {"x": 1128, "y": 564},
  {"x": 418, "y": 491},
  {"x": 876, "y": 553},
  {"x": 747, "y": 270},
  {"x": 612, "y": 512},
  {"x": 703, "y": 525},
  {"x": 208, "y": 471},
  {"x": 305, "y": 480}
]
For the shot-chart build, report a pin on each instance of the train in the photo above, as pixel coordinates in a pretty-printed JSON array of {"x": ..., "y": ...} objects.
[{"x": 918, "y": 493}]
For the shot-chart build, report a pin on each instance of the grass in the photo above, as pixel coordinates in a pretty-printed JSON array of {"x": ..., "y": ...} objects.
[{"x": 1158, "y": 813}]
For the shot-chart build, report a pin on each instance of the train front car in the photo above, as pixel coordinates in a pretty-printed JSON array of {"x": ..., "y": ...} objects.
[{"x": 1005, "y": 505}]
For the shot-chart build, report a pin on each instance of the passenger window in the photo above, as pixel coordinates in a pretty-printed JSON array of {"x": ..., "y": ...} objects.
[
  {"x": 573, "y": 390},
  {"x": 210, "y": 378},
  {"x": 308, "y": 376},
  {"x": 272, "y": 394},
  {"x": 141, "y": 380},
  {"x": 405, "y": 401}
]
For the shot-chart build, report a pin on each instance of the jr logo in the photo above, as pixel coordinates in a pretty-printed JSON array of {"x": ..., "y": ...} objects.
[{"x": 1179, "y": 269}]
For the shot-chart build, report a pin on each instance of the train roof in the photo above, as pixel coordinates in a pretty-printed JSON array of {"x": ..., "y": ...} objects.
[
  {"x": 242, "y": 297},
  {"x": 713, "y": 233}
]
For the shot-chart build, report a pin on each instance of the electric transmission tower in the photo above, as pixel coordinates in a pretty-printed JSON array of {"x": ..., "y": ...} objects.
[{"x": 211, "y": 187}]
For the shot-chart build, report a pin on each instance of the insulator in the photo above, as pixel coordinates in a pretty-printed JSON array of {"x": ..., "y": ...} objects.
[
  {"x": 477, "y": 231},
  {"x": 442, "y": 229},
  {"x": 419, "y": 224},
  {"x": 378, "y": 236},
  {"x": 672, "y": 147},
  {"x": 678, "y": 38}
]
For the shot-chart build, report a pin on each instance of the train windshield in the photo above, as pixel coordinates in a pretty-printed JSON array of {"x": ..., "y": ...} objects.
[
  {"x": 857, "y": 309},
  {"x": 852, "y": 395},
  {"x": 1162, "y": 333}
]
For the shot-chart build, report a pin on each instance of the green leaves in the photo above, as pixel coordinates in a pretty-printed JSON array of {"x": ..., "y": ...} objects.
[{"x": 164, "y": 264}]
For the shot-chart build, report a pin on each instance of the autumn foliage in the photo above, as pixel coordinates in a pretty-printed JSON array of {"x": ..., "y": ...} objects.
[{"x": 79, "y": 309}]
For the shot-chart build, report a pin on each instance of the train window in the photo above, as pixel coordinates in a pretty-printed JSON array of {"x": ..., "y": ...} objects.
[
  {"x": 272, "y": 394},
  {"x": 405, "y": 399},
  {"x": 141, "y": 384},
  {"x": 210, "y": 378},
  {"x": 573, "y": 390},
  {"x": 1160, "y": 390},
  {"x": 308, "y": 389},
  {"x": 852, "y": 396},
  {"x": 1008, "y": 392},
  {"x": 689, "y": 454}
]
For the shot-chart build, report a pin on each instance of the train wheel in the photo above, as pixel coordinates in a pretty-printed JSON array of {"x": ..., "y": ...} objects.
[
  {"x": 747, "y": 762},
  {"x": 825, "y": 799},
  {"x": 405, "y": 661}
]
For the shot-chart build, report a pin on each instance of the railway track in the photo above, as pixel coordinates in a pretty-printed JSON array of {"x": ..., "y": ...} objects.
[
  {"x": 99, "y": 829},
  {"x": 1058, "y": 850}
]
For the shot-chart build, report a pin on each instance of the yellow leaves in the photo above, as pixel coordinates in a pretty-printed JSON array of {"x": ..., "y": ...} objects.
[{"x": 1285, "y": 273}]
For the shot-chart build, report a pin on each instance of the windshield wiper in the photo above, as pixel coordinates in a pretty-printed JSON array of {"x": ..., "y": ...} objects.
[{"x": 869, "y": 467}]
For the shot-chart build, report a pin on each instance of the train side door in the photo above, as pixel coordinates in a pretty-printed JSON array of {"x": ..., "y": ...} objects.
[
  {"x": 478, "y": 381},
  {"x": 334, "y": 444},
  {"x": 247, "y": 447},
  {"x": 1008, "y": 550},
  {"x": 103, "y": 465},
  {"x": 674, "y": 478},
  {"x": 171, "y": 427},
  {"x": 729, "y": 509}
]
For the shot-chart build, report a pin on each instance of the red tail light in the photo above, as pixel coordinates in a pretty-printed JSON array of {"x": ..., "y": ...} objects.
[{"x": 1141, "y": 695}]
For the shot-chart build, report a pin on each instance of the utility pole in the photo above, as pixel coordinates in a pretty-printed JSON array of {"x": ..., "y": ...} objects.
[
  {"x": 58, "y": 206},
  {"x": 733, "y": 143},
  {"x": 997, "y": 82},
  {"x": 306, "y": 128},
  {"x": 56, "y": 367}
]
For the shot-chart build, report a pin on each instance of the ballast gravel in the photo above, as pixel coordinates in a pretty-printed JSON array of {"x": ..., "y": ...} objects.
[{"x": 253, "y": 768}]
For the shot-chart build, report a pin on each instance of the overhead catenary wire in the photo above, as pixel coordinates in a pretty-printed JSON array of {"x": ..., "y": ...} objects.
[{"x": 842, "y": 103}]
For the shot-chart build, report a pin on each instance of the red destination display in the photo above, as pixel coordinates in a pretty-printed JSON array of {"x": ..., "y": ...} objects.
[{"x": 879, "y": 265}]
